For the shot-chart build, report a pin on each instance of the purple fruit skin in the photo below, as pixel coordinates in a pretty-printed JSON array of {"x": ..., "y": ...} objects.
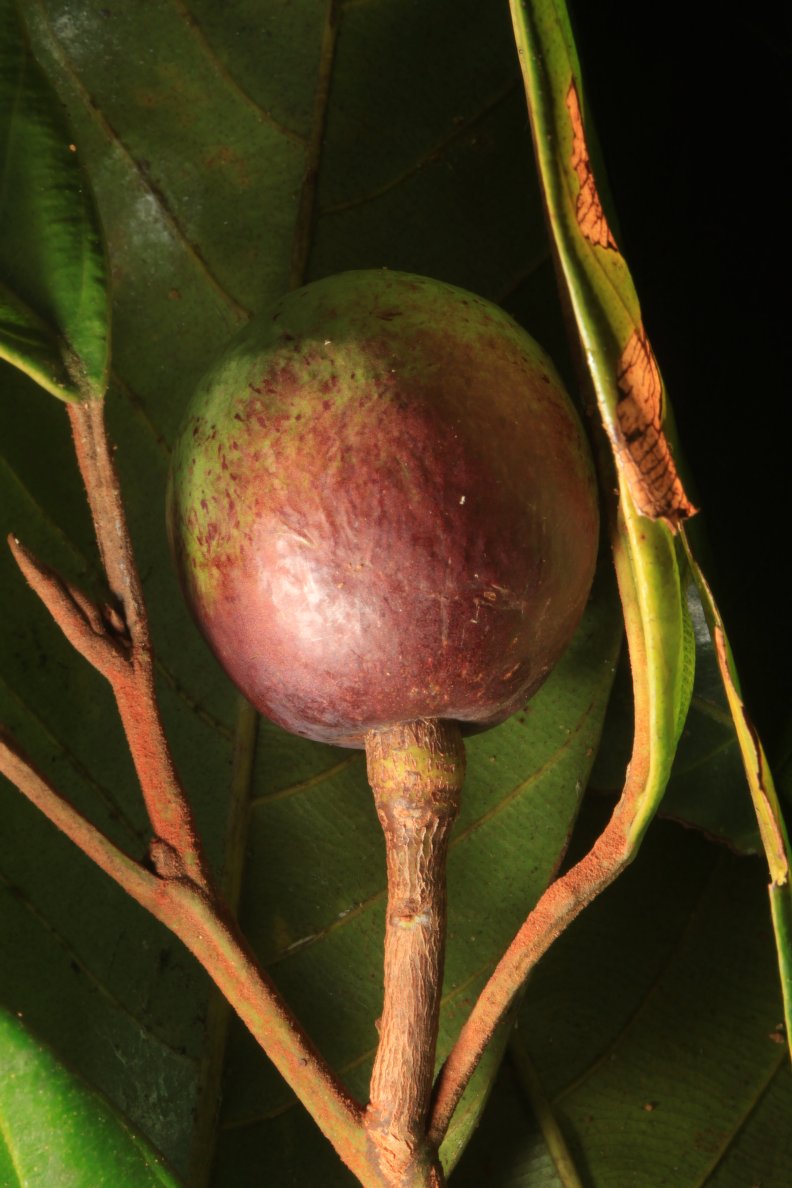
[{"x": 382, "y": 508}]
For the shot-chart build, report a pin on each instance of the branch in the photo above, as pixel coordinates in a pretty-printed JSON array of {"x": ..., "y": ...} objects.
[
  {"x": 215, "y": 941},
  {"x": 179, "y": 894},
  {"x": 17, "y": 767},
  {"x": 98, "y": 471},
  {"x": 133, "y": 683},
  {"x": 94, "y": 636}
]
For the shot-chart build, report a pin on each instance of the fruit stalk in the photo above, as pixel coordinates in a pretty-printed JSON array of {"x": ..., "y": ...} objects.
[{"x": 416, "y": 770}]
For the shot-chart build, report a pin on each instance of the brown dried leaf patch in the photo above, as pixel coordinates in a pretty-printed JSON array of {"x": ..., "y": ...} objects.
[
  {"x": 643, "y": 448},
  {"x": 588, "y": 207}
]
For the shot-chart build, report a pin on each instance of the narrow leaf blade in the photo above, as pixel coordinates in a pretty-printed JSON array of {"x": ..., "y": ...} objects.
[
  {"x": 769, "y": 817},
  {"x": 27, "y": 342},
  {"x": 633, "y": 406},
  {"x": 51, "y": 255},
  {"x": 629, "y": 392}
]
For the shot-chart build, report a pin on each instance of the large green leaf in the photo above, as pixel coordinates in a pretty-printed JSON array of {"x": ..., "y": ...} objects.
[
  {"x": 54, "y": 308},
  {"x": 55, "y": 1130},
  {"x": 656, "y": 1052},
  {"x": 201, "y": 131}
]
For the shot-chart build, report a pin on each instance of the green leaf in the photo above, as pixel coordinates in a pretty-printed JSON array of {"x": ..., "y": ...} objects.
[
  {"x": 657, "y": 1049},
  {"x": 27, "y": 342},
  {"x": 599, "y": 291},
  {"x": 769, "y": 817},
  {"x": 54, "y": 310},
  {"x": 55, "y": 1130},
  {"x": 706, "y": 788},
  {"x": 636, "y": 416}
]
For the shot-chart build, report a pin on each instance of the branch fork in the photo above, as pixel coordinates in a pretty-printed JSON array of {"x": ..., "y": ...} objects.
[
  {"x": 174, "y": 883},
  {"x": 101, "y": 637},
  {"x": 416, "y": 771}
]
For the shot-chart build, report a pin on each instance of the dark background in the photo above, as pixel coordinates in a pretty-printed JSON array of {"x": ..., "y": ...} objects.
[{"x": 692, "y": 110}]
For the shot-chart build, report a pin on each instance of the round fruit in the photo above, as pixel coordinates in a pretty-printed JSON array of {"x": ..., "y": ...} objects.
[{"x": 382, "y": 508}]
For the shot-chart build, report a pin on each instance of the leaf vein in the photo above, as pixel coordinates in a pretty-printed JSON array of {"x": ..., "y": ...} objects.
[
  {"x": 304, "y": 785},
  {"x": 456, "y": 841},
  {"x": 114, "y": 808},
  {"x": 306, "y": 212},
  {"x": 224, "y": 73},
  {"x": 426, "y": 159},
  {"x": 761, "y": 1092},
  {"x": 5, "y": 1135},
  {"x": 138, "y": 406},
  {"x": 73, "y": 957},
  {"x": 653, "y": 990},
  {"x": 92, "y": 107}
]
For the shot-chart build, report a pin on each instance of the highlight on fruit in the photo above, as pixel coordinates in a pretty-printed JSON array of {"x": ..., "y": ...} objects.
[{"x": 383, "y": 509}]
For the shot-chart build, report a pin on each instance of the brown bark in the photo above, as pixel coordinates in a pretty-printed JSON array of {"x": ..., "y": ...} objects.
[
  {"x": 116, "y": 641},
  {"x": 416, "y": 771}
]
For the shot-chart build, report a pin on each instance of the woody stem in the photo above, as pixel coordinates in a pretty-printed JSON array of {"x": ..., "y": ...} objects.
[{"x": 416, "y": 771}]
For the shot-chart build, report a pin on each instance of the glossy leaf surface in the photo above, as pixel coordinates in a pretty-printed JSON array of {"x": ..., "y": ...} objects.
[
  {"x": 706, "y": 788},
  {"x": 767, "y": 807},
  {"x": 627, "y": 386},
  {"x": 55, "y": 1130},
  {"x": 54, "y": 310}
]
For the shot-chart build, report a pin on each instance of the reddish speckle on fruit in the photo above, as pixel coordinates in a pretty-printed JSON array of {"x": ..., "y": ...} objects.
[{"x": 409, "y": 529}]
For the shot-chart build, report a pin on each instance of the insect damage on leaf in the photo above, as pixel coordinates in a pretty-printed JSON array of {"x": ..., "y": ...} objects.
[
  {"x": 588, "y": 208},
  {"x": 643, "y": 448}
]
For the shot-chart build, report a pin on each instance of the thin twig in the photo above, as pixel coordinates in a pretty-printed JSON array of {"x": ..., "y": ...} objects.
[
  {"x": 175, "y": 839},
  {"x": 17, "y": 767},
  {"x": 79, "y": 619},
  {"x": 179, "y": 893},
  {"x": 199, "y": 923}
]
